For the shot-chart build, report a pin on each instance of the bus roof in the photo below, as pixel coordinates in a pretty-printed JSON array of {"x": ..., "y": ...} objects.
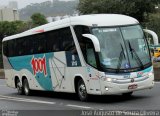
[{"x": 87, "y": 20}]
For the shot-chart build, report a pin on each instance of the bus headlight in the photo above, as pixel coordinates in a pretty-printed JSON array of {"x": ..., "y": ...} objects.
[
  {"x": 108, "y": 79},
  {"x": 150, "y": 74}
]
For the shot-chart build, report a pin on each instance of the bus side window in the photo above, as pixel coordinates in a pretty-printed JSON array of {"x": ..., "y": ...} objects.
[
  {"x": 52, "y": 41},
  {"x": 68, "y": 42},
  {"x": 41, "y": 41},
  {"x": 19, "y": 47},
  {"x": 27, "y": 45},
  {"x": 31, "y": 45},
  {"x": 35, "y": 44},
  {"x": 11, "y": 51},
  {"x": 5, "y": 48},
  {"x": 60, "y": 40}
]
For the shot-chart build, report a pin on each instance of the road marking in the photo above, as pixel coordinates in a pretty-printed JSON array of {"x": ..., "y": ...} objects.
[
  {"x": 77, "y": 106},
  {"x": 25, "y": 100},
  {"x": 9, "y": 98}
]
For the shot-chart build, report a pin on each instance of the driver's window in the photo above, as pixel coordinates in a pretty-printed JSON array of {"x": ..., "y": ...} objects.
[
  {"x": 91, "y": 59},
  {"x": 86, "y": 45}
]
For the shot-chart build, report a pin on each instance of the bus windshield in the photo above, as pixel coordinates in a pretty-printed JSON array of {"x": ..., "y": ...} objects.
[{"x": 122, "y": 48}]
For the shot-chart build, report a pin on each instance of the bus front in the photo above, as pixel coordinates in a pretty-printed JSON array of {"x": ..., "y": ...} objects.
[{"x": 125, "y": 58}]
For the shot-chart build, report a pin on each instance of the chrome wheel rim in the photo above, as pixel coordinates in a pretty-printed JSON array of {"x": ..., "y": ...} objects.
[
  {"x": 82, "y": 90},
  {"x": 26, "y": 88},
  {"x": 19, "y": 87}
]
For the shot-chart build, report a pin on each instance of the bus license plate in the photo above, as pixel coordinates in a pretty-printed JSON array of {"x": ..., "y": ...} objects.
[{"x": 134, "y": 86}]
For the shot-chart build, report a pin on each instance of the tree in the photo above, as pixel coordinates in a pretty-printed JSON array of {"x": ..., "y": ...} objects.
[
  {"x": 138, "y": 9},
  {"x": 154, "y": 23},
  {"x": 38, "y": 19},
  {"x": 10, "y": 28}
]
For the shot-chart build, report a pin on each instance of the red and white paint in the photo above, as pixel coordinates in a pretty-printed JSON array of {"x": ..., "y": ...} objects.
[{"x": 39, "y": 65}]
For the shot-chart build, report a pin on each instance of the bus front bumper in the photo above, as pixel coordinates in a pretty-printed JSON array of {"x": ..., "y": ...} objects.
[{"x": 110, "y": 88}]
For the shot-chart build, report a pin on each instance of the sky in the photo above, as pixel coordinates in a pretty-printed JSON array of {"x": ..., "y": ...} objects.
[{"x": 23, "y": 3}]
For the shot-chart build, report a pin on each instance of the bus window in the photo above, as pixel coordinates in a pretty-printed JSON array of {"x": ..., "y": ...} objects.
[
  {"x": 40, "y": 45},
  {"x": 20, "y": 45},
  {"x": 86, "y": 45},
  {"x": 11, "y": 48},
  {"x": 60, "y": 40},
  {"x": 5, "y": 48},
  {"x": 91, "y": 59},
  {"x": 52, "y": 39},
  {"x": 79, "y": 30},
  {"x": 68, "y": 42}
]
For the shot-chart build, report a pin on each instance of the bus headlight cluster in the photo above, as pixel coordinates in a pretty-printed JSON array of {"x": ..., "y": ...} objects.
[
  {"x": 108, "y": 79},
  {"x": 150, "y": 74}
]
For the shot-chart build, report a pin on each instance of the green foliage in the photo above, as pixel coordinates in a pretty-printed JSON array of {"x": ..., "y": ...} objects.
[
  {"x": 38, "y": 19},
  {"x": 139, "y": 9},
  {"x": 154, "y": 23},
  {"x": 10, "y": 28}
]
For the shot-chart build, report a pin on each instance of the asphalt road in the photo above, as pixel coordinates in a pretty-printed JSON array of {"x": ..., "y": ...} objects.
[{"x": 54, "y": 104}]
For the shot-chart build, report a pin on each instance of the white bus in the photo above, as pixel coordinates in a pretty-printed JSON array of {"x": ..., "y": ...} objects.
[{"x": 99, "y": 54}]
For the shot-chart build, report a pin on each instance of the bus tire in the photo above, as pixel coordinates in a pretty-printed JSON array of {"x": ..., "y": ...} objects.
[
  {"x": 82, "y": 92},
  {"x": 19, "y": 87},
  {"x": 26, "y": 88},
  {"x": 129, "y": 94}
]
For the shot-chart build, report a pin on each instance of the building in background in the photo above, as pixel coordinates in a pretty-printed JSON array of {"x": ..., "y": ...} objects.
[
  {"x": 10, "y": 12},
  {"x": 13, "y": 5}
]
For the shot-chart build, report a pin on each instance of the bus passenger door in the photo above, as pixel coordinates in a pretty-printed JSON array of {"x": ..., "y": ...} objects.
[
  {"x": 57, "y": 69},
  {"x": 94, "y": 82}
]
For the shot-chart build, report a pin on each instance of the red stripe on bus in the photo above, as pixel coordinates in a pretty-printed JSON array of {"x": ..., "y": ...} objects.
[{"x": 40, "y": 31}]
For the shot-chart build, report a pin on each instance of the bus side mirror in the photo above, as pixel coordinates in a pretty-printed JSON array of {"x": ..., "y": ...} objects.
[
  {"x": 154, "y": 35},
  {"x": 95, "y": 41}
]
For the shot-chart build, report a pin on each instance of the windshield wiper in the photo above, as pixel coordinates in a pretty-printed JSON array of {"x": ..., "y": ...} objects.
[
  {"x": 133, "y": 52},
  {"x": 120, "y": 59}
]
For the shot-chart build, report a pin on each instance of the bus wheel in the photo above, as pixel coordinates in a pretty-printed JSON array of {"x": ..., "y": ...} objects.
[
  {"x": 19, "y": 87},
  {"x": 129, "y": 94},
  {"x": 82, "y": 92},
  {"x": 26, "y": 88}
]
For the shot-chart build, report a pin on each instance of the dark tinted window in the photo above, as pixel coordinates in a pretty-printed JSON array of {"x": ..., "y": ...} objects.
[
  {"x": 5, "y": 48},
  {"x": 19, "y": 47},
  {"x": 86, "y": 45},
  {"x": 60, "y": 40},
  {"x": 67, "y": 41},
  {"x": 53, "y": 41},
  {"x": 11, "y": 48},
  {"x": 79, "y": 30},
  {"x": 38, "y": 43}
]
